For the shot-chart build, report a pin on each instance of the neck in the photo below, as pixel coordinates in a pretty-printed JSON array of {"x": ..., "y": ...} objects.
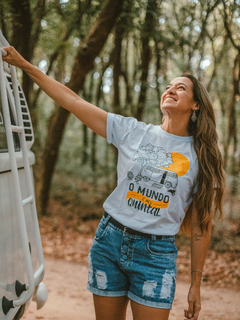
[{"x": 175, "y": 126}]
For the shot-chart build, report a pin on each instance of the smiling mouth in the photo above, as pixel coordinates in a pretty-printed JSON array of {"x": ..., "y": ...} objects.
[{"x": 170, "y": 98}]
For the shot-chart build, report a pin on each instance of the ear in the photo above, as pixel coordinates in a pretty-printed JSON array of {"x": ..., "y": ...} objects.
[{"x": 196, "y": 107}]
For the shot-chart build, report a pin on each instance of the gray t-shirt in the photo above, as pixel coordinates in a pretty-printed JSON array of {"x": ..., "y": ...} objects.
[{"x": 157, "y": 176}]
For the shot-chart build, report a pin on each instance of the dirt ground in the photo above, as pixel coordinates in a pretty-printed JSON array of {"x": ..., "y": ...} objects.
[
  {"x": 69, "y": 299},
  {"x": 66, "y": 243}
]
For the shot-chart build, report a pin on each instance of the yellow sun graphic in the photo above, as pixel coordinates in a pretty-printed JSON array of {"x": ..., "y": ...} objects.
[{"x": 180, "y": 164}]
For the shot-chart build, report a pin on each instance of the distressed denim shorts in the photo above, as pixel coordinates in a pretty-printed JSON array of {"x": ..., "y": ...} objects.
[{"x": 122, "y": 264}]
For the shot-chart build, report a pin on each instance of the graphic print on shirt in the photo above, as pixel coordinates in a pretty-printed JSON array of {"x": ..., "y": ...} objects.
[{"x": 159, "y": 169}]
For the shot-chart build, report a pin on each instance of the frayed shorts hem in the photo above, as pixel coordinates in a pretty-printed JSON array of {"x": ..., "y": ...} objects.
[
  {"x": 103, "y": 293},
  {"x": 131, "y": 296},
  {"x": 153, "y": 304}
]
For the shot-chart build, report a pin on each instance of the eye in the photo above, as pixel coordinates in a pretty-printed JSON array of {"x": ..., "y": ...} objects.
[
  {"x": 181, "y": 87},
  {"x": 167, "y": 87}
]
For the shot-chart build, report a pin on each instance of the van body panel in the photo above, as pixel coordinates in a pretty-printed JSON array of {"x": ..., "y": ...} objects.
[
  {"x": 21, "y": 257},
  {"x": 5, "y": 163},
  {"x": 11, "y": 250}
]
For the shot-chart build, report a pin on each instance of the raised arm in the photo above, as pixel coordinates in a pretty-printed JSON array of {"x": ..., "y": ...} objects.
[
  {"x": 199, "y": 247},
  {"x": 92, "y": 116}
]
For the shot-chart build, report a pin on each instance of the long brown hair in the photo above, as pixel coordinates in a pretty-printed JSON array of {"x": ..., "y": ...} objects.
[{"x": 210, "y": 178}]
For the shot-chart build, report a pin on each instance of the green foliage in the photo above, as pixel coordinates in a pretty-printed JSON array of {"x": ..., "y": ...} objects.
[{"x": 200, "y": 37}]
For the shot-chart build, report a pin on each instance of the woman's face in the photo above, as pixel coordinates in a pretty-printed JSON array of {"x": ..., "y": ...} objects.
[{"x": 178, "y": 97}]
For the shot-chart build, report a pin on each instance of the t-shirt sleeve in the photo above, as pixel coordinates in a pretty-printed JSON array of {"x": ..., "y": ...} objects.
[{"x": 118, "y": 128}]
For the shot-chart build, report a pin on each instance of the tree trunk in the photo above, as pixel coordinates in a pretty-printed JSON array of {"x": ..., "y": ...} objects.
[
  {"x": 2, "y": 20},
  {"x": 232, "y": 126},
  {"x": 93, "y": 151},
  {"x": 146, "y": 55},
  {"x": 22, "y": 26},
  {"x": 116, "y": 74},
  {"x": 84, "y": 59},
  {"x": 26, "y": 30},
  {"x": 85, "y": 144},
  {"x": 117, "y": 66},
  {"x": 158, "y": 68},
  {"x": 87, "y": 95}
]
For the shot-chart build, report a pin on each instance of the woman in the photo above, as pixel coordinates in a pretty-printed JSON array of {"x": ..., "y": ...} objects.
[{"x": 168, "y": 176}]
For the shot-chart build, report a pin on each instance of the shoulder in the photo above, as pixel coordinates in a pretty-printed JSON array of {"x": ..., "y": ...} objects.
[{"x": 119, "y": 120}]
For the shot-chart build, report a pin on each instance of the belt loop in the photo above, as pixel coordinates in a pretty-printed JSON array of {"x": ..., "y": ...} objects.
[
  {"x": 153, "y": 237},
  {"x": 108, "y": 217}
]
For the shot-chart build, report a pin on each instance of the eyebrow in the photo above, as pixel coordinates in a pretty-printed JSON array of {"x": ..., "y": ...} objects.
[{"x": 178, "y": 84}]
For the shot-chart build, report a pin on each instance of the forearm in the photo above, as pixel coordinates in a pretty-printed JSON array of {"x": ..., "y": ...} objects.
[
  {"x": 92, "y": 116},
  {"x": 199, "y": 247},
  {"x": 55, "y": 90}
]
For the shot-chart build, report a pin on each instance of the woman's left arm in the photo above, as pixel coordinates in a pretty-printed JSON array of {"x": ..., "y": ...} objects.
[{"x": 199, "y": 247}]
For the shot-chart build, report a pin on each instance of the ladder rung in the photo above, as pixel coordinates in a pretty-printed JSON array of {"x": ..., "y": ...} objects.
[
  {"x": 27, "y": 200},
  {"x": 17, "y": 129}
]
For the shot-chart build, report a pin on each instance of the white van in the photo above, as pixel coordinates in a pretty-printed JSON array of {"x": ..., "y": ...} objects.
[{"x": 21, "y": 257}]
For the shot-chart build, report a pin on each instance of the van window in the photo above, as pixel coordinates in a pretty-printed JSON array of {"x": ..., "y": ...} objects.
[{"x": 3, "y": 137}]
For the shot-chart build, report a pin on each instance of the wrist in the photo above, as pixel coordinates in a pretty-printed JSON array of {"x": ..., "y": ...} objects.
[
  {"x": 196, "y": 277},
  {"x": 25, "y": 66}
]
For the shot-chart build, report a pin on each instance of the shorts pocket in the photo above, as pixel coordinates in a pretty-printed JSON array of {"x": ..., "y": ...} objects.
[
  {"x": 161, "y": 248},
  {"x": 101, "y": 229}
]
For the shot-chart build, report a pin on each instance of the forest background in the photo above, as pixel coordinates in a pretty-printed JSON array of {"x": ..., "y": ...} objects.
[{"x": 120, "y": 55}]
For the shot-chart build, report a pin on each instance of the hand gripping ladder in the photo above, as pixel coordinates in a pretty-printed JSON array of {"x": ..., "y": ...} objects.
[{"x": 34, "y": 278}]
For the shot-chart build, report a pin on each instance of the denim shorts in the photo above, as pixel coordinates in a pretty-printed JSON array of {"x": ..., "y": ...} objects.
[{"x": 122, "y": 264}]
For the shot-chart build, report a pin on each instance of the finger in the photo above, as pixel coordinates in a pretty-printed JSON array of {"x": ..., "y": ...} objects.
[
  {"x": 195, "y": 316},
  {"x": 190, "y": 310},
  {"x": 4, "y": 52},
  {"x": 13, "y": 57},
  {"x": 197, "y": 308},
  {"x": 186, "y": 314},
  {"x": 7, "y": 49}
]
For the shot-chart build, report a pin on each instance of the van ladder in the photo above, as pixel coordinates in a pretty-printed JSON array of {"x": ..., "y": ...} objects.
[{"x": 34, "y": 278}]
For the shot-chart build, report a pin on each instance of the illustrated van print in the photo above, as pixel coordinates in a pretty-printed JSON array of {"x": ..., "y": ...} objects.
[
  {"x": 159, "y": 168},
  {"x": 160, "y": 178}
]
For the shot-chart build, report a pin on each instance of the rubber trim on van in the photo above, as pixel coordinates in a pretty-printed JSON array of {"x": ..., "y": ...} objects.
[{"x": 10, "y": 170}]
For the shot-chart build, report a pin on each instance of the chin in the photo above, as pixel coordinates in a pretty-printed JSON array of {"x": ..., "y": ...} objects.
[{"x": 167, "y": 107}]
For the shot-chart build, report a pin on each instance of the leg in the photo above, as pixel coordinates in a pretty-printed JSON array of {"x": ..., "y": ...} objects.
[
  {"x": 110, "y": 308},
  {"x": 141, "y": 312}
]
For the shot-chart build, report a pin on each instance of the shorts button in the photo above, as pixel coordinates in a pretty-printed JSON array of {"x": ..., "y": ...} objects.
[
  {"x": 124, "y": 247},
  {"x": 124, "y": 257}
]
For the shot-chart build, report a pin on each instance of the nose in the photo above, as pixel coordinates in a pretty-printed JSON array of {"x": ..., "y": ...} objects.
[{"x": 171, "y": 90}]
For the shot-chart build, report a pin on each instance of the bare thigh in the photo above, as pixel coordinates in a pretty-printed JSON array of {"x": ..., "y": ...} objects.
[
  {"x": 141, "y": 312},
  {"x": 110, "y": 308}
]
